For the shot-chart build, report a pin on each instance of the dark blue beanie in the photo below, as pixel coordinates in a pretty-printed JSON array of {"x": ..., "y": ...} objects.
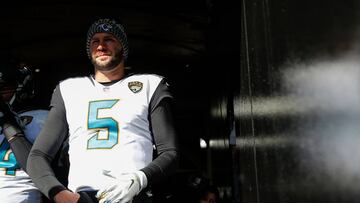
[{"x": 108, "y": 26}]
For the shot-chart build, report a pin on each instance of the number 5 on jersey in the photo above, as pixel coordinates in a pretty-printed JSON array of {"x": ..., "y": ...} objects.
[{"x": 105, "y": 123}]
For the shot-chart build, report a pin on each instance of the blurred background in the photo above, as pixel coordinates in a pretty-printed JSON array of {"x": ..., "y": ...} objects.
[{"x": 299, "y": 101}]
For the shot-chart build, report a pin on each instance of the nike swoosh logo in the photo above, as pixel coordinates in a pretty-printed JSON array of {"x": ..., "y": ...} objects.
[{"x": 132, "y": 182}]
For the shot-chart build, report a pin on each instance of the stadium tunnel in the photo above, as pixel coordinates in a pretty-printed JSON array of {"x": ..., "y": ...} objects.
[{"x": 194, "y": 43}]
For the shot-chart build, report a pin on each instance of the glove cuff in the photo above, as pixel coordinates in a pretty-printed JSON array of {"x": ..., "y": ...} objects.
[{"x": 142, "y": 179}]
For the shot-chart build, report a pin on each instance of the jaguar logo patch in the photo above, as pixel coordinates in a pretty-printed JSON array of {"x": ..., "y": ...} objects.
[{"x": 135, "y": 86}]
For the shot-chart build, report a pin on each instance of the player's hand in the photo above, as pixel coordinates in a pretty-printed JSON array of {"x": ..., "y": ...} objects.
[
  {"x": 123, "y": 188},
  {"x": 66, "y": 196}
]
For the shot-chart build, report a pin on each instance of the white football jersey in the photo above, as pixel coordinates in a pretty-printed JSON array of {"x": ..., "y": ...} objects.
[
  {"x": 108, "y": 128},
  {"x": 15, "y": 185}
]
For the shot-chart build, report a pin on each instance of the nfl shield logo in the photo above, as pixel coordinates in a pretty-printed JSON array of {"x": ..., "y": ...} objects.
[{"x": 135, "y": 86}]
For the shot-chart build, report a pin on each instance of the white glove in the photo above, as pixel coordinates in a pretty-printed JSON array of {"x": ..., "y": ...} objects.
[{"x": 123, "y": 188}]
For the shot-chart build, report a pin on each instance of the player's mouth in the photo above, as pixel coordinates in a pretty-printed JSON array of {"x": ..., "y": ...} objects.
[{"x": 103, "y": 57}]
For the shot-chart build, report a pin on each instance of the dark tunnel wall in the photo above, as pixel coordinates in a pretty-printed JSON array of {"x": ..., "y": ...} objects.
[{"x": 298, "y": 103}]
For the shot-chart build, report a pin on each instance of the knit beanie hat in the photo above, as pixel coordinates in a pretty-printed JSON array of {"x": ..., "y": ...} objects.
[{"x": 108, "y": 26}]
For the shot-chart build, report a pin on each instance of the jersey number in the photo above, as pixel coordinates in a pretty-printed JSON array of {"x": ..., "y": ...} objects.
[
  {"x": 7, "y": 159},
  {"x": 100, "y": 124}
]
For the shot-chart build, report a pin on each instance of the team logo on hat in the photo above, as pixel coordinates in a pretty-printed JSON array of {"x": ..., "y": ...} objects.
[
  {"x": 135, "y": 86},
  {"x": 105, "y": 27}
]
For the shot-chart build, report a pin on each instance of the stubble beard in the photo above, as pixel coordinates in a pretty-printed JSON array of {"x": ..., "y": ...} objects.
[{"x": 109, "y": 65}]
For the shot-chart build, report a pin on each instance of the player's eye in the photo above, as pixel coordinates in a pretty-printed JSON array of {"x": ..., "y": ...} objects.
[
  {"x": 94, "y": 43},
  {"x": 109, "y": 40}
]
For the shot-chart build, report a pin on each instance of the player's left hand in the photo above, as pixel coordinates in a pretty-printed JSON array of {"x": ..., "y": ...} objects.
[{"x": 123, "y": 189}]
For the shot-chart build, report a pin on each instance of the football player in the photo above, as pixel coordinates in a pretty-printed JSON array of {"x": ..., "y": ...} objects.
[
  {"x": 15, "y": 185},
  {"x": 114, "y": 120}
]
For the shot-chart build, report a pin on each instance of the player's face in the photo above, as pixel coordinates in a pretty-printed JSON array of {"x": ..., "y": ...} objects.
[
  {"x": 210, "y": 198},
  {"x": 106, "y": 51}
]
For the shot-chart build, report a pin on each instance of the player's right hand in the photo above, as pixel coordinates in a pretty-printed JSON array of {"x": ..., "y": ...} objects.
[{"x": 123, "y": 188}]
